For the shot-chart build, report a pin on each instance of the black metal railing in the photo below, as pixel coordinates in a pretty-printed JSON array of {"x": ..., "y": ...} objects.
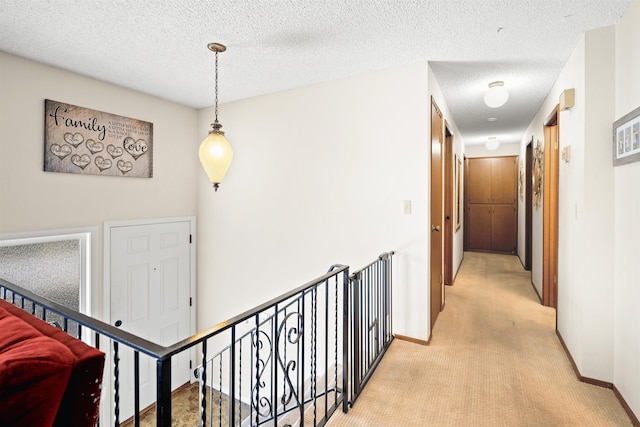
[
  {"x": 370, "y": 320},
  {"x": 294, "y": 360},
  {"x": 283, "y": 361}
]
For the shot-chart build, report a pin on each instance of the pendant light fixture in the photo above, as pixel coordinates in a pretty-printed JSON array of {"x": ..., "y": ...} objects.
[
  {"x": 215, "y": 151},
  {"x": 496, "y": 95}
]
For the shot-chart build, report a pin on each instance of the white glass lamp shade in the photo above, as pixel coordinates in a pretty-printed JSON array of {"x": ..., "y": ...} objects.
[
  {"x": 497, "y": 95},
  {"x": 492, "y": 143},
  {"x": 216, "y": 155}
]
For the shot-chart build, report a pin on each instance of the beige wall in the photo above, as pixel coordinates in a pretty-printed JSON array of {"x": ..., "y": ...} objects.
[
  {"x": 320, "y": 177},
  {"x": 627, "y": 215},
  {"x": 32, "y": 200}
]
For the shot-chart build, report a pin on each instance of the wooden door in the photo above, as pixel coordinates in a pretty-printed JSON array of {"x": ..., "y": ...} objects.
[
  {"x": 436, "y": 213},
  {"x": 550, "y": 213},
  {"x": 528, "y": 206}
]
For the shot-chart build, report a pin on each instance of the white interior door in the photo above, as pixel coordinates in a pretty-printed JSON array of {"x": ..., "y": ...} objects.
[{"x": 150, "y": 276}]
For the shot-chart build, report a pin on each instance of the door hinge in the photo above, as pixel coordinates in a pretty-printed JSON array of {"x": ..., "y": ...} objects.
[
  {"x": 190, "y": 238},
  {"x": 441, "y": 279},
  {"x": 190, "y": 364},
  {"x": 190, "y": 302}
]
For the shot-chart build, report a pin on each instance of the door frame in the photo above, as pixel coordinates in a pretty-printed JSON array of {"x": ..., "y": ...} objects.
[
  {"x": 106, "y": 302},
  {"x": 528, "y": 241},
  {"x": 449, "y": 216},
  {"x": 436, "y": 290},
  {"x": 550, "y": 211},
  {"x": 87, "y": 242},
  {"x": 107, "y": 409}
]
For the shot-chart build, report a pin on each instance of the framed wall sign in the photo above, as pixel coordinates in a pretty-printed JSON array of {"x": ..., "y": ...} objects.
[
  {"x": 626, "y": 139},
  {"x": 84, "y": 141}
]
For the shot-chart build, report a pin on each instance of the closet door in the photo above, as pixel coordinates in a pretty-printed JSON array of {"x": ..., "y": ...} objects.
[
  {"x": 479, "y": 185},
  {"x": 479, "y": 227},
  {"x": 504, "y": 228},
  {"x": 504, "y": 179}
]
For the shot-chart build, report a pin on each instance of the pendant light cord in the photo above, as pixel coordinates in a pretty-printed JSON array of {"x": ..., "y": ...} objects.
[{"x": 216, "y": 121}]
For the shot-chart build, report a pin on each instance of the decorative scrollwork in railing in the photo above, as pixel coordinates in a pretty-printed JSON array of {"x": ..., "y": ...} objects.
[
  {"x": 262, "y": 404},
  {"x": 292, "y": 334}
]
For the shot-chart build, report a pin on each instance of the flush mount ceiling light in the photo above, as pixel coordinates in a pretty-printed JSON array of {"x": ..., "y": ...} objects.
[
  {"x": 215, "y": 151},
  {"x": 496, "y": 95},
  {"x": 492, "y": 143},
  {"x": 492, "y": 119}
]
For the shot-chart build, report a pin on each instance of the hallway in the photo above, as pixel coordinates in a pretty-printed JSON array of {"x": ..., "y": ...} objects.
[{"x": 494, "y": 360}]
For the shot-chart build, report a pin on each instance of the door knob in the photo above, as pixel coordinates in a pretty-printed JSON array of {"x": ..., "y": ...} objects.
[
  {"x": 118, "y": 323},
  {"x": 435, "y": 228}
]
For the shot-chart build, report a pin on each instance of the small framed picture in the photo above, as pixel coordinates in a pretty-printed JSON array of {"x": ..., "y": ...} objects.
[{"x": 626, "y": 139}]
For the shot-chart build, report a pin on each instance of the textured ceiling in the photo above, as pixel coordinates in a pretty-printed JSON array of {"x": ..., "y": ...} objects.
[{"x": 159, "y": 46}]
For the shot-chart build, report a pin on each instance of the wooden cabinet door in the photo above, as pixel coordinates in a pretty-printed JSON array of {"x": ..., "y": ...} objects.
[
  {"x": 479, "y": 176},
  {"x": 479, "y": 230},
  {"x": 504, "y": 228},
  {"x": 504, "y": 179},
  {"x": 491, "y": 220}
]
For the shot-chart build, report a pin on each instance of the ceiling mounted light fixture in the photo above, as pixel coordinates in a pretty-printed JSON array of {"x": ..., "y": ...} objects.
[
  {"x": 215, "y": 151},
  {"x": 492, "y": 143},
  {"x": 496, "y": 95}
]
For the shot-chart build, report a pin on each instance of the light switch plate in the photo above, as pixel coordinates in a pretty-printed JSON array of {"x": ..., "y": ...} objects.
[{"x": 406, "y": 207}]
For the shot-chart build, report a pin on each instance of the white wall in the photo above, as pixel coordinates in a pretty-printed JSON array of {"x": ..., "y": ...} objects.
[
  {"x": 319, "y": 177},
  {"x": 572, "y": 133},
  {"x": 598, "y": 215},
  {"x": 585, "y": 209},
  {"x": 502, "y": 150},
  {"x": 571, "y": 207},
  {"x": 627, "y": 213},
  {"x": 34, "y": 200}
]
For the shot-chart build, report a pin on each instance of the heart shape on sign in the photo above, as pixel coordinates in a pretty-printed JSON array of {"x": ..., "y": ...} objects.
[
  {"x": 81, "y": 161},
  {"x": 61, "y": 151},
  {"x": 124, "y": 166},
  {"x": 94, "y": 147},
  {"x": 74, "y": 139},
  {"x": 114, "y": 151},
  {"x": 135, "y": 148},
  {"x": 102, "y": 163}
]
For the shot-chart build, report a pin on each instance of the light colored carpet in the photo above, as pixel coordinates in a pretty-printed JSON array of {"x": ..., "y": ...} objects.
[{"x": 494, "y": 360}]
